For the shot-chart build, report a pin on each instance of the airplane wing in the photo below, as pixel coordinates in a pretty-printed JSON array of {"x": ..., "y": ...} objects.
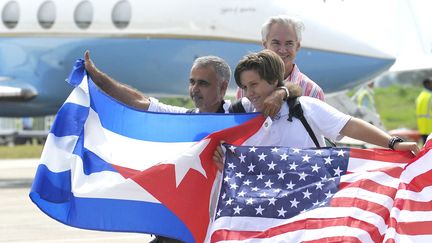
[{"x": 19, "y": 91}]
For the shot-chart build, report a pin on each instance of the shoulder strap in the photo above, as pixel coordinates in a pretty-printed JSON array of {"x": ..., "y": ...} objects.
[
  {"x": 295, "y": 110},
  {"x": 236, "y": 107}
]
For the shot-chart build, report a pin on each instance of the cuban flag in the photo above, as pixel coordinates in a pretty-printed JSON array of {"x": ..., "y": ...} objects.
[
  {"x": 106, "y": 166},
  {"x": 280, "y": 194}
]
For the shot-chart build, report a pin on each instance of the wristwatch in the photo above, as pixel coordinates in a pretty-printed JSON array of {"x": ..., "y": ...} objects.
[
  {"x": 393, "y": 141},
  {"x": 286, "y": 92}
]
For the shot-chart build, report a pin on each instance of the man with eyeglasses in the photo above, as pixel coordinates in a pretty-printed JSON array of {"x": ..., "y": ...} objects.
[{"x": 283, "y": 34}]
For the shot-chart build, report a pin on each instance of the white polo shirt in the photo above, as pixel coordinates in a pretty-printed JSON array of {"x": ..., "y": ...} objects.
[{"x": 325, "y": 121}]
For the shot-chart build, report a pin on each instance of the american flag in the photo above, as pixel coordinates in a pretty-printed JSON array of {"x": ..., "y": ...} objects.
[{"x": 280, "y": 194}]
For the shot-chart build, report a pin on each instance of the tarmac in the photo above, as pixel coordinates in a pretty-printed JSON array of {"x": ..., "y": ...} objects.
[{"x": 22, "y": 221}]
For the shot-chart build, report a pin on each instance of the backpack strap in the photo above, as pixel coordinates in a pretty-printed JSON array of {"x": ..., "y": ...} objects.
[
  {"x": 236, "y": 107},
  {"x": 295, "y": 110},
  {"x": 193, "y": 110}
]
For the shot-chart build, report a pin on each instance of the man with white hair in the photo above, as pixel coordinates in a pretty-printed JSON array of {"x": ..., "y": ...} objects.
[{"x": 283, "y": 35}]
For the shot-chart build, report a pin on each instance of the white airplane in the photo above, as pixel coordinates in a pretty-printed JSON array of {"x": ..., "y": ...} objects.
[{"x": 151, "y": 45}]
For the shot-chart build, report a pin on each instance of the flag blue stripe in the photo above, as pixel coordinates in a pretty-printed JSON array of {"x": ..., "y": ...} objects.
[
  {"x": 158, "y": 127},
  {"x": 77, "y": 74},
  {"x": 53, "y": 187},
  {"x": 93, "y": 163},
  {"x": 70, "y": 120},
  {"x": 51, "y": 193}
]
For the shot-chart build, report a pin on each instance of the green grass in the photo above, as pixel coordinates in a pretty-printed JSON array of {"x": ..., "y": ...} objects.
[
  {"x": 20, "y": 151},
  {"x": 396, "y": 106}
]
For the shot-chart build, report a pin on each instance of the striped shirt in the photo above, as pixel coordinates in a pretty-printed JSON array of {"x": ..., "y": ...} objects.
[{"x": 309, "y": 87}]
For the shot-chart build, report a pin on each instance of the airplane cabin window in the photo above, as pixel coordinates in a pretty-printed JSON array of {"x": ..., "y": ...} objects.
[
  {"x": 121, "y": 14},
  {"x": 10, "y": 14},
  {"x": 47, "y": 14},
  {"x": 83, "y": 15}
]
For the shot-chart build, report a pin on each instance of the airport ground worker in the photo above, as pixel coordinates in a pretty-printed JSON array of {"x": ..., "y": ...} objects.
[
  {"x": 424, "y": 110},
  {"x": 364, "y": 96}
]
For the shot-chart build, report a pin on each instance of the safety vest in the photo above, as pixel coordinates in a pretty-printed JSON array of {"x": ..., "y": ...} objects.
[
  {"x": 424, "y": 112},
  {"x": 365, "y": 99}
]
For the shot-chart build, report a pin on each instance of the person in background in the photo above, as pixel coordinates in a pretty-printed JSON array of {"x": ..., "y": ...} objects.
[
  {"x": 283, "y": 35},
  {"x": 424, "y": 110},
  {"x": 364, "y": 96}
]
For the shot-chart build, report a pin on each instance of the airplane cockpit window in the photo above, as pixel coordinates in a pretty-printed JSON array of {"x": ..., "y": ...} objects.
[
  {"x": 83, "y": 15},
  {"x": 121, "y": 14},
  {"x": 47, "y": 14},
  {"x": 10, "y": 14}
]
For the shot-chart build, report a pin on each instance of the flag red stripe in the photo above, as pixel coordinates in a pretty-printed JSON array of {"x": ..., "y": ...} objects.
[
  {"x": 362, "y": 204},
  {"x": 350, "y": 239},
  {"x": 371, "y": 186},
  {"x": 411, "y": 205},
  {"x": 418, "y": 183},
  {"x": 385, "y": 155},
  {"x": 306, "y": 224},
  {"x": 412, "y": 228}
]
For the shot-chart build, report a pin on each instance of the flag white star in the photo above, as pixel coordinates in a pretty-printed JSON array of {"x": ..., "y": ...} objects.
[
  {"x": 229, "y": 201},
  {"x": 296, "y": 150},
  {"x": 274, "y": 150},
  {"x": 319, "y": 185},
  {"x": 242, "y": 158},
  {"x": 247, "y": 182},
  {"x": 263, "y": 194},
  {"x": 272, "y": 201},
  {"x": 224, "y": 196},
  {"x": 226, "y": 179},
  {"x": 284, "y": 156},
  {"x": 219, "y": 212},
  {"x": 253, "y": 149},
  {"x": 232, "y": 148},
  {"x": 315, "y": 168},
  {"x": 251, "y": 168},
  {"x": 328, "y": 194},
  {"x": 328, "y": 160},
  {"x": 249, "y": 201},
  {"x": 294, "y": 203},
  {"x": 190, "y": 160},
  {"x": 293, "y": 166},
  {"x": 303, "y": 176},
  {"x": 254, "y": 189},
  {"x": 268, "y": 183},
  {"x": 239, "y": 174},
  {"x": 260, "y": 176},
  {"x": 233, "y": 186},
  {"x": 306, "y": 194},
  {"x": 290, "y": 185},
  {"x": 271, "y": 166},
  {"x": 306, "y": 158},
  {"x": 316, "y": 203},
  {"x": 241, "y": 194},
  {"x": 237, "y": 209},
  {"x": 337, "y": 171},
  {"x": 259, "y": 210},
  {"x": 341, "y": 153},
  {"x": 281, "y": 175},
  {"x": 318, "y": 152},
  {"x": 262, "y": 156},
  {"x": 231, "y": 166},
  {"x": 281, "y": 212}
]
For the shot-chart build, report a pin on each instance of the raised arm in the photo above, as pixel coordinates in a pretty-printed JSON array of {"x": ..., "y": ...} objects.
[
  {"x": 115, "y": 89},
  {"x": 361, "y": 130}
]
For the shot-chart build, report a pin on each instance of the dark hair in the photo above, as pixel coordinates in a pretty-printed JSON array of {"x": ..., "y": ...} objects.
[{"x": 266, "y": 63}]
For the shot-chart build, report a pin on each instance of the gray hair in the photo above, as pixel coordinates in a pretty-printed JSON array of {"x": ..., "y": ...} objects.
[
  {"x": 222, "y": 69},
  {"x": 297, "y": 23}
]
